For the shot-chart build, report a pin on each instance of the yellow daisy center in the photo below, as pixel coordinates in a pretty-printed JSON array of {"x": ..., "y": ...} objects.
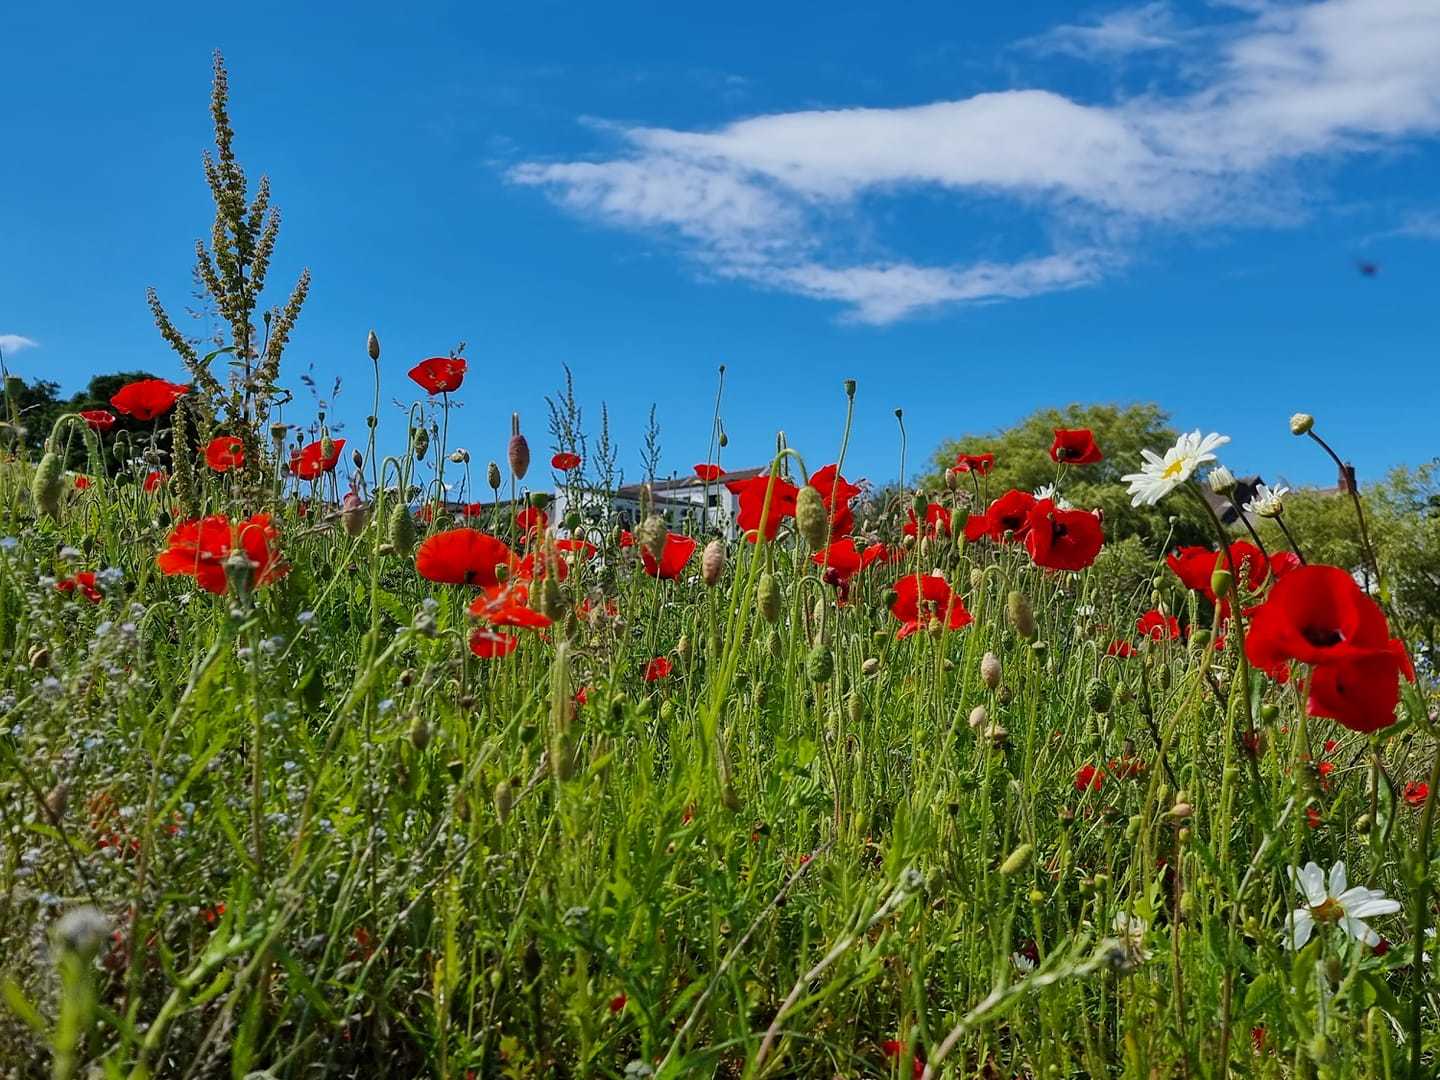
[
  {"x": 1173, "y": 470},
  {"x": 1328, "y": 910}
]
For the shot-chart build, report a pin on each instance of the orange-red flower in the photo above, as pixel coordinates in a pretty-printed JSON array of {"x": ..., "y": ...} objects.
[
  {"x": 752, "y": 493},
  {"x": 532, "y": 519},
  {"x": 462, "y": 557},
  {"x": 154, "y": 480},
  {"x": 439, "y": 374},
  {"x": 582, "y": 549},
  {"x": 81, "y": 482},
  {"x": 225, "y": 452},
  {"x": 85, "y": 582},
  {"x": 841, "y": 558},
  {"x": 1157, "y": 626},
  {"x": 657, "y": 669},
  {"x": 980, "y": 464},
  {"x": 921, "y": 599},
  {"x": 1089, "y": 777},
  {"x": 199, "y": 548},
  {"x": 673, "y": 557},
  {"x": 507, "y": 605},
  {"x": 709, "y": 473},
  {"x": 146, "y": 399},
  {"x": 1063, "y": 539},
  {"x": 101, "y": 420},
  {"x": 937, "y": 522},
  {"x": 311, "y": 461},
  {"x": 1075, "y": 446},
  {"x": 1006, "y": 518},
  {"x": 565, "y": 461},
  {"x": 491, "y": 644}
]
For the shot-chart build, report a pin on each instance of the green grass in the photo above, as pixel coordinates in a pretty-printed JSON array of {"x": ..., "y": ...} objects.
[{"x": 327, "y": 840}]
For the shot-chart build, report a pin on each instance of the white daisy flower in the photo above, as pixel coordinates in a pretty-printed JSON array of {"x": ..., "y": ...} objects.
[
  {"x": 1334, "y": 902},
  {"x": 1023, "y": 964},
  {"x": 1049, "y": 491},
  {"x": 1266, "y": 501},
  {"x": 1159, "y": 476}
]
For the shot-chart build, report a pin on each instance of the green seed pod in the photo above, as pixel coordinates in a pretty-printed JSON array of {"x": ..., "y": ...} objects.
[
  {"x": 420, "y": 441},
  {"x": 401, "y": 531},
  {"x": 1017, "y": 861},
  {"x": 820, "y": 665},
  {"x": 920, "y": 504},
  {"x": 492, "y": 476},
  {"x": 769, "y": 597},
  {"x": 47, "y": 486},
  {"x": 977, "y": 578},
  {"x": 1022, "y": 617},
  {"x": 1099, "y": 695},
  {"x": 552, "y": 601},
  {"x": 1221, "y": 582},
  {"x": 810, "y": 517},
  {"x": 854, "y": 707},
  {"x": 776, "y": 644},
  {"x": 419, "y": 733}
]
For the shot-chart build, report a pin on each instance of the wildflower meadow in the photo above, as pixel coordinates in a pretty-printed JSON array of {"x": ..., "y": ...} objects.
[{"x": 367, "y": 755}]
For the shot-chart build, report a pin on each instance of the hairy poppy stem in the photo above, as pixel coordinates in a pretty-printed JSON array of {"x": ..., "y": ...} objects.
[{"x": 1359, "y": 510}]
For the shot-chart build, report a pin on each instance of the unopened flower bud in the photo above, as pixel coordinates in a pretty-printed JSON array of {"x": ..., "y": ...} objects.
[
  {"x": 372, "y": 345},
  {"x": 810, "y": 517},
  {"x": 419, "y": 733},
  {"x": 712, "y": 562},
  {"x": 997, "y": 735},
  {"x": 1098, "y": 694},
  {"x": 357, "y": 459},
  {"x": 401, "y": 529},
  {"x": 1221, "y": 480},
  {"x": 518, "y": 451},
  {"x": 1301, "y": 423},
  {"x": 1022, "y": 617},
  {"x": 651, "y": 536},
  {"x": 870, "y": 666},
  {"x": 352, "y": 514},
  {"x": 460, "y": 456},
  {"x": 504, "y": 800},
  {"x": 420, "y": 441},
  {"x": 979, "y": 717},
  {"x": 1221, "y": 582},
  {"x": 820, "y": 665},
  {"x": 990, "y": 670},
  {"x": 1017, "y": 860},
  {"x": 47, "y": 486},
  {"x": 492, "y": 476},
  {"x": 769, "y": 597}
]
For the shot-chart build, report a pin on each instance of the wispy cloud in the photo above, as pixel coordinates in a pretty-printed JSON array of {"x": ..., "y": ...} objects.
[
  {"x": 1118, "y": 33},
  {"x": 780, "y": 200},
  {"x": 14, "y": 343}
]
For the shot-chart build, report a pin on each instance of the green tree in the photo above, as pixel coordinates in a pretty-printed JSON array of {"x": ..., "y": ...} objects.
[{"x": 1022, "y": 460}]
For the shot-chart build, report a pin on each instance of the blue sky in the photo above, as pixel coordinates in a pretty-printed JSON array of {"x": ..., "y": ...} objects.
[{"x": 973, "y": 210}]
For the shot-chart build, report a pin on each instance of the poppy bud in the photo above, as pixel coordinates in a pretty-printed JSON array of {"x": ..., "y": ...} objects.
[
  {"x": 552, "y": 603},
  {"x": 769, "y": 596},
  {"x": 854, "y": 707},
  {"x": 682, "y": 649},
  {"x": 712, "y": 562},
  {"x": 57, "y": 800},
  {"x": 979, "y": 717},
  {"x": 651, "y": 536},
  {"x": 977, "y": 576},
  {"x": 372, "y": 345},
  {"x": 957, "y": 525},
  {"x": 724, "y": 440},
  {"x": 419, "y": 733},
  {"x": 870, "y": 666},
  {"x": 1201, "y": 637},
  {"x": 492, "y": 476},
  {"x": 990, "y": 670},
  {"x": 420, "y": 441},
  {"x": 810, "y": 517},
  {"x": 352, "y": 514},
  {"x": 1097, "y": 693},
  {"x": 1221, "y": 582},
  {"x": 820, "y": 665},
  {"x": 239, "y": 571},
  {"x": 849, "y": 388},
  {"x": 278, "y": 432},
  {"x": 39, "y": 658},
  {"x": 519, "y": 450},
  {"x": 920, "y": 504},
  {"x": 460, "y": 456},
  {"x": 48, "y": 484},
  {"x": 1181, "y": 810},
  {"x": 1017, "y": 860},
  {"x": 504, "y": 800},
  {"x": 1022, "y": 617},
  {"x": 357, "y": 459},
  {"x": 1301, "y": 423},
  {"x": 1269, "y": 712},
  {"x": 997, "y": 735},
  {"x": 402, "y": 529},
  {"x": 776, "y": 645}
]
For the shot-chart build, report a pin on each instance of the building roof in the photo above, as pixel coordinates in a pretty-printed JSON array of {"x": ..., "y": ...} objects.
[{"x": 679, "y": 483}]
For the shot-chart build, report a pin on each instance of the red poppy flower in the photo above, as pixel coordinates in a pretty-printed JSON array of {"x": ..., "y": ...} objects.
[
  {"x": 627, "y": 538},
  {"x": 101, "y": 420},
  {"x": 673, "y": 557},
  {"x": 1063, "y": 539},
  {"x": 1416, "y": 792},
  {"x": 752, "y": 493},
  {"x": 709, "y": 473},
  {"x": 1158, "y": 627},
  {"x": 81, "y": 482},
  {"x": 225, "y": 452},
  {"x": 979, "y": 464},
  {"x": 841, "y": 558},
  {"x": 1361, "y": 690},
  {"x": 532, "y": 519},
  {"x": 617, "y": 1003},
  {"x": 1075, "y": 446},
  {"x": 536, "y": 567},
  {"x": 880, "y": 553},
  {"x": 1122, "y": 649},
  {"x": 507, "y": 605},
  {"x": 1193, "y": 565},
  {"x": 491, "y": 644},
  {"x": 834, "y": 489},
  {"x": 657, "y": 669},
  {"x": 582, "y": 548},
  {"x": 1089, "y": 778},
  {"x": 1007, "y": 515},
  {"x": 565, "y": 461},
  {"x": 439, "y": 374},
  {"x": 937, "y": 521},
  {"x": 154, "y": 480},
  {"x": 1316, "y": 615},
  {"x": 85, "y": 582},
  {"x": 199, "y": 548},
  {"x": 309, "y": 462},
  {"x": 894, "y": 1049},
  {"x": 148, "y": 398},
  {"x": 922, "y": 598},
  {"x": 462, "y": 557}
]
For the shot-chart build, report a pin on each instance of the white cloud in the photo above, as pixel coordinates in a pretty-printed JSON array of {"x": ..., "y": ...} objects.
[
  {"x": 14, "y": 343},
  {"x": 781, "y": 200},
  {"x": 1131, "y": 30}
]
